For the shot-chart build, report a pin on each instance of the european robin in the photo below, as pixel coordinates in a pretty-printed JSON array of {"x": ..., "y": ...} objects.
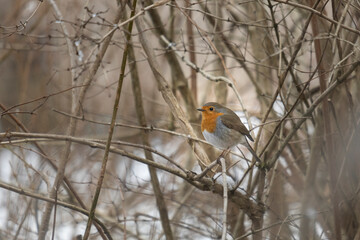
[{"x": 222, "y": 128}]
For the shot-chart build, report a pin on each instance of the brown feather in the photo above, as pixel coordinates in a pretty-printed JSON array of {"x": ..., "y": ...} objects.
[{"x": 232, "y": 121}]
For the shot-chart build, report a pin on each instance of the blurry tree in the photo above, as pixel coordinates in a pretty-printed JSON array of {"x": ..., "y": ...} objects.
[{"x": 100, "y": 136}]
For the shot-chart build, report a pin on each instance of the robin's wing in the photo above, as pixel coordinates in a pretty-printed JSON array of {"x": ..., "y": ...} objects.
[{"x": 232, "y": 121}]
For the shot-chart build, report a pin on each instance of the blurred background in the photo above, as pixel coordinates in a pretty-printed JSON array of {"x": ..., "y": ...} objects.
[{"x": 288, "y": 69}]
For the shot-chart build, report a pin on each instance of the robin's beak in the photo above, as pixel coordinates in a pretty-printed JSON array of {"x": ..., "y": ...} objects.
[{"x": 200, "y": 109}]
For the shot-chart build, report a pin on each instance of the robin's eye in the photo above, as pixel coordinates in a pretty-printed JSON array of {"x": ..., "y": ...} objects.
[{"x": 211, "y": 108}]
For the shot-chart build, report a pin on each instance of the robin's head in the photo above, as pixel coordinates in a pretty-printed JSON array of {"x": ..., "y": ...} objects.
[
  {"x": 210, "y": 112},
  {"x": 212, "y": 109}
]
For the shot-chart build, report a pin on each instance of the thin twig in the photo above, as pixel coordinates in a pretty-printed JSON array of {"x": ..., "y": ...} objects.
[
  {"x": 70, "y": 130},
  {"x": 76, "y": 102},
  {"x": 250, "y": 208},
  {"x": 309, "y": 111},
  {"x": 210, "y": 166},
  {"x": 225, "y": 198},
  {"x": 133, "y": 17},
  {"x": 283, "y": 76},
  {"x": 92, "y": 144},
  {"x": 89, "y": 141},
  {"x": 159, "y": 196},
  {"x": 54, "y": 220},
  {"x": 318, "y": 13},
  {"x": 46, "y": 199},
  {"x": 226, "y": 69},
  {"x": 52, "y": 163},
  {"x": 111, "y": 130},
  {"x": 270, "y": 226},
  {"x": 339, "y": 23},
  {"x": 44, "y": 98},
  {"x": 168, "y": 95}
]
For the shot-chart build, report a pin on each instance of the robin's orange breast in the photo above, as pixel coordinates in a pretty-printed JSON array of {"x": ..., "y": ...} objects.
[{"x": 208, "y": 122}]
